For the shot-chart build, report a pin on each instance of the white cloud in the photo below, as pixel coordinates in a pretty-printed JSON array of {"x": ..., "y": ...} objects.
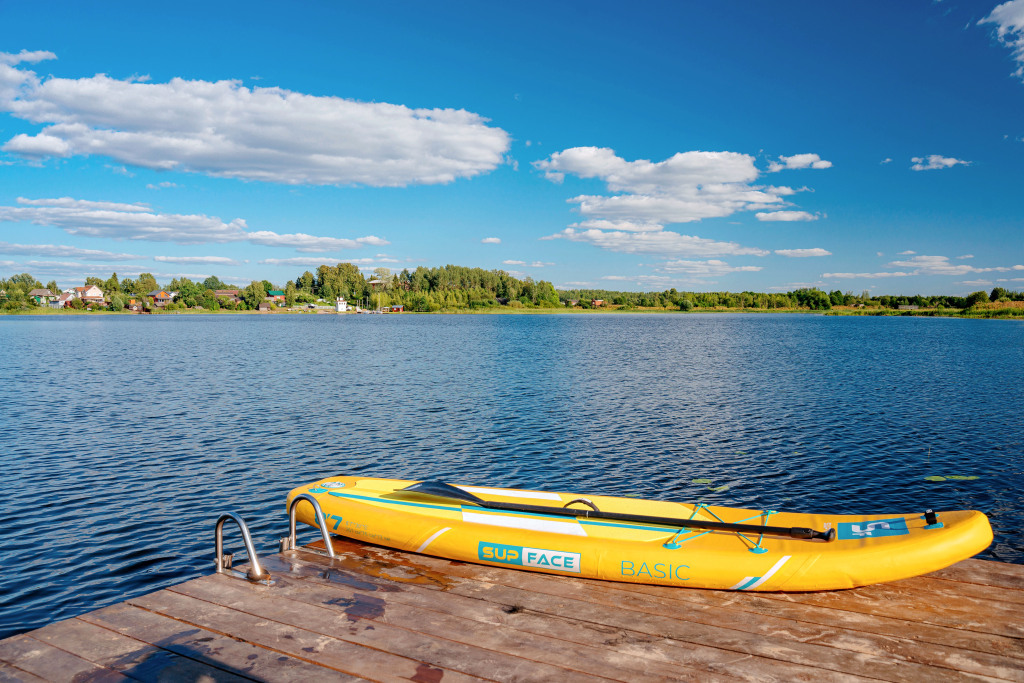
[
  {"x": 965, "y": 256},
  {"x": 64, "y": 250},
  {"x": 645, "y": 196},
  {"x": 1009, "y": 20},
  {"x": 803, "y": 253},
  {"x": 491, "y": 240},
  {"x": 311, "y": 243},
  {"x": 26, "y": 57},
  {"x": 314, "y": 262},
  {"x": 709, "y": 268},
  {"x": 799, "y": 161},
  {"x": 926, "y": 265},
  {"x": 535, "y": 264},
  {"x": 887, "y": 160},
  {"x": 976, "y": 283},
  {"x": 224, "y": 129},
  {"x": 138, "y": 222},
  {"x": 870, "y": 276},
  {"x": 786, "y": 216},
  {"x": 935, "y": 161},
  {"x": 662, "y": 242},
  {"x": 628, "y": 226},
  {"x": 210, "y": 260},
  {"x": 940, "y": 265},
  {"x": 908, "y": 252},
  {"x": 306, "y": 261}
]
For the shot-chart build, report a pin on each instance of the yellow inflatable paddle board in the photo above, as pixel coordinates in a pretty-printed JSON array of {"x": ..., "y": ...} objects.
[{"x": 643, "y": 541}]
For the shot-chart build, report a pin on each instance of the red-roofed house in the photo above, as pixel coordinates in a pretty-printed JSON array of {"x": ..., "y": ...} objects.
[{"x": 90, "y": 294}]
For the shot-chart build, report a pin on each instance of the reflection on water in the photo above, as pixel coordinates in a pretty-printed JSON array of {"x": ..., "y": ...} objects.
[{"x": 125, "y": 437}]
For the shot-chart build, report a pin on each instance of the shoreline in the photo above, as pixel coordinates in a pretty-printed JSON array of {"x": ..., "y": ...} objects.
[{"x": 988, "y": 313}]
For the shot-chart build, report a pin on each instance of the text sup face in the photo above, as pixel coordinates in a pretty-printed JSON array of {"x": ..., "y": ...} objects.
[{"x": 540, "y": 558}]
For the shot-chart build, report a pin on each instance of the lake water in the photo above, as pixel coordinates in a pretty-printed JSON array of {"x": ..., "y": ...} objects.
[{"x": 123, "y": 438}]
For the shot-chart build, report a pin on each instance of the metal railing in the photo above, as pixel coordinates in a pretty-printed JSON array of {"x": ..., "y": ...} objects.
[
  {"x": 256, "y": 571},
  {"x": 289, "y": 543}
]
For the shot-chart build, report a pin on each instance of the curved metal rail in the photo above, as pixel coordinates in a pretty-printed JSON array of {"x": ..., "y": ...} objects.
[
  {"x": 289, "y": 542},
  {"x": 256, "y": 571}
]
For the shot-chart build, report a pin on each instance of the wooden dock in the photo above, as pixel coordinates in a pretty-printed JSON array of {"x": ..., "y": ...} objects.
[{"x": 379, "y": 614}]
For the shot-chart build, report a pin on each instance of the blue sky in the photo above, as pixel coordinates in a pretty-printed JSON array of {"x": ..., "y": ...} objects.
[{"x": 699, "y": 145}]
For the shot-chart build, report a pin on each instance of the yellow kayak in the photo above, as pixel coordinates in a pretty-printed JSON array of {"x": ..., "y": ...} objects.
[{"x": 644, "y": 541}]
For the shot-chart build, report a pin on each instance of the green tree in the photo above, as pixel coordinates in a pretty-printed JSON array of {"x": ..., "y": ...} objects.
[
  {"x": 976, "y": 298},
  {"x": 213, "y": 282},
  {"x": 685, "y": 305},
  {"x": 116, "y": 302},
  {"x": 52, "y": 286},
  {"x": 268, "y": 285},
  {"x": 253, "y": 294},
  {"x": 289, "y": 293},
  {"x": 111, "y": 285},
  {"x": 145, "y": 284}
]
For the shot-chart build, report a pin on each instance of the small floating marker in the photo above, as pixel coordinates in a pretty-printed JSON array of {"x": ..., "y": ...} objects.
[
  {"x": 935, "y": 477},
  {"x": 718, "y": 489},
  {"x": 700, "y": 481},
  {"x": 962, "y": 477}
]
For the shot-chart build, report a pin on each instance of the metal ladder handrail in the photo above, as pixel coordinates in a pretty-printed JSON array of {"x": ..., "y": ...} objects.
[
  {"x": 289, "y": 543},
  {"x": 256, "y": 571}
]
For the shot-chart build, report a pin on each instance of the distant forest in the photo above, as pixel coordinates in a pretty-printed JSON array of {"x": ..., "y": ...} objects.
[{"x": 449, "y": 288}]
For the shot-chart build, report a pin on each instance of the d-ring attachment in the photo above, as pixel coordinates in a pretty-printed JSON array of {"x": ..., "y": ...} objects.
[{"x": 289, "y": 542}]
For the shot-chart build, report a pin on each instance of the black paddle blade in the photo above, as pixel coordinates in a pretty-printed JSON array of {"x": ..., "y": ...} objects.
[{"x": 443, "y": 490}]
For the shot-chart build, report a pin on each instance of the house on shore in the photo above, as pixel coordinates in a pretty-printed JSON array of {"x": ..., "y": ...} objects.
[
  {"x": 90, "y": 294},
  {"x": 276, "y": 296},
  {"x": 160, "y": 297},
  {"x": 43, "y": 297},
  {"x": 597, "y": 303},
  {"x": 63, "y": 299},
  {"x": 229, "y": 294}
]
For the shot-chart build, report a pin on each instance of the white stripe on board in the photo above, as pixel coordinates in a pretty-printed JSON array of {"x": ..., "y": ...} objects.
[
  {"x": 777, "y": 567},
  {"x": 741, "y": 583},
  {"x": 513, "y": 493},
  {"x": 432, "y": 538},
  {"x": 530, "y": 523}
]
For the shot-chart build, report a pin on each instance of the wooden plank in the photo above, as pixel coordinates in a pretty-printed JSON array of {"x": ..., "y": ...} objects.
[
  {"x": 226, "y": 652},
  {"x": 937, "y": 587},
  {"x": 137, "y": 659},
  {"x": 635, "y": 648},
  {"x": 592, "y": 600},
  {"x": 641, "y": 659},
  {"x": 10, "y": 674},
  {"x": 336, "y": 653},
  {"x": 965, "y": 614},
  {"x": 984, "y": 572},
  {"x": 979, "y": 652},
  {"x": 363, "y": 622},
  {"x": 960, "y": 658},
  {"x": 45, "y": 661}
]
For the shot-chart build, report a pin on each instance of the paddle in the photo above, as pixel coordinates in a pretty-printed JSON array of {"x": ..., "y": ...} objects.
[{"x": 443, "y": 490}]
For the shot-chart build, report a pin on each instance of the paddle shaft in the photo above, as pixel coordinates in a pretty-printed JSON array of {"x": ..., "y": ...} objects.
[
  {"x": 792, "y": 532},
  {"x": 443, "y": 490}
]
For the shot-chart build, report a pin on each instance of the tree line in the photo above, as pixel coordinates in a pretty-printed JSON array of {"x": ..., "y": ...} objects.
[{"x": 453, "y": 287}]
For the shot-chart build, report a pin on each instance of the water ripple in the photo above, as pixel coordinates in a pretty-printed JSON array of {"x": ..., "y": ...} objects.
[{"x": 123, "y": 438}]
